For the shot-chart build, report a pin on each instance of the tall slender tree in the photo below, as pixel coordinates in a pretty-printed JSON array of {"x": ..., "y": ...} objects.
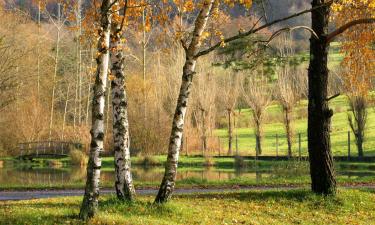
[
  {"x": 124, "y": 182},
  {"x": 168, "y": 182},
  {"x": 192, "y": 53},
  {"x": 89, "y": 205}
]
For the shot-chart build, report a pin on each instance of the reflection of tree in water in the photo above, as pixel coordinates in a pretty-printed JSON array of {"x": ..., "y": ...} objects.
[{"x": 30, "y": 176}]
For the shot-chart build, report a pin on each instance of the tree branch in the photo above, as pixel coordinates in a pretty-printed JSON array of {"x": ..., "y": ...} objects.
[
  {"x": 183, "y": 43},
  {"x": 332, "y": 97},
  {"x": 278, "y": 32},
  {"x": 124, "y": 18},
  {"x": 254, "y": 30},
  {"x": 331, "y": 36}
]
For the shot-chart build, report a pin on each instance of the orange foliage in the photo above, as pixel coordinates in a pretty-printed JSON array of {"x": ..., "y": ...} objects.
[{"x": 359, "y": 59}]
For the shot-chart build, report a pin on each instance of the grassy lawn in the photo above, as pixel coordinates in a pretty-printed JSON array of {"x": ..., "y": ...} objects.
[
  {"x": 255, "y": 207},
  {"x": 339, "y": 131}
]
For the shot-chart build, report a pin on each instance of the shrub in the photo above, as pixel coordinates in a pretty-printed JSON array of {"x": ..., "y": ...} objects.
[{"x": 78, "y": 158}]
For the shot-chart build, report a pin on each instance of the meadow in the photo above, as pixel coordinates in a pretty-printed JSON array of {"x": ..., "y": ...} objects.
[{"x": 250, "y": 207}]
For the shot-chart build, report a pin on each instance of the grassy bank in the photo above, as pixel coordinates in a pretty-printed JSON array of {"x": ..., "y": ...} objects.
[{"x": 255, "y": 207}]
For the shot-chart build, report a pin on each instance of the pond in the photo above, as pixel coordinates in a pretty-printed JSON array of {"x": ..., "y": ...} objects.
[{"x": 13, "y": 176}]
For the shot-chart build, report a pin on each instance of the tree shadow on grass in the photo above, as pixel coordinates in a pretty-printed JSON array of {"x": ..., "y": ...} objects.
[
  {"x": 288, "y": 196},
  {"x": 137, "y": 207}
]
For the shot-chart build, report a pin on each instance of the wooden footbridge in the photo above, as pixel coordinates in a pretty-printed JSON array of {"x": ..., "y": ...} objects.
[{"x": 46, "y": 149}]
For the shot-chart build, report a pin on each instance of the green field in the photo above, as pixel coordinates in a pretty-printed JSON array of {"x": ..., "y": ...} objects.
[
  {"x": 272, "y": 127},
  {"x": 254, "y": 207}
]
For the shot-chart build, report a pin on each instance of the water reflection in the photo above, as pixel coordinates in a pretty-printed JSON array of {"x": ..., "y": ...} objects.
[{"x": 50, "y": 177}]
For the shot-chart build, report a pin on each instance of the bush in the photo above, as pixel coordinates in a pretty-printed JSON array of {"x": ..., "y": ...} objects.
[{"x": 78, "y": 158}]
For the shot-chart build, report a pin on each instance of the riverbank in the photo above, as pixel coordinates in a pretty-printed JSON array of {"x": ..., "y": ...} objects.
[{"x": 245, "y": 207}]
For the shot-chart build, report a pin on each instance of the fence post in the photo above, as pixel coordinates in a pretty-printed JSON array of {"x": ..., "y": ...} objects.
[
  {"x": 236, "y": 145},
  {"x": 349, "y": 145},
  {"x": 299, "y": 146},
  {"x": 277, "y": 146}
]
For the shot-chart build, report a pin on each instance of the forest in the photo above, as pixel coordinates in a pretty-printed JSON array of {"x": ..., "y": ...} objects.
[{"x": 264, "y": 107}]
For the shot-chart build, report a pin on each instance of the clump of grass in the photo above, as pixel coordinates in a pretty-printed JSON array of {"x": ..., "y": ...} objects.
[
  {"x": 78, "y": 158},
  {"x": 209, "y": 161},
  {"x": 148, "y": 161}
]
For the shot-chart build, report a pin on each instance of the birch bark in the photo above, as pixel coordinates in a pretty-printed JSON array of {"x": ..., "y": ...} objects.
[
  {"x": 168, "y": 182},
  {"x": 90, "y": 200},
  {"x": 124, "y": 182}
]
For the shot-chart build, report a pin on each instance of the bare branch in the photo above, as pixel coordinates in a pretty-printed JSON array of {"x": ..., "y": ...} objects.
[
  {"x": 343, "y": 28},
  {"x": 255, "y": 30},
  {"x": 277, "y": 33},
  {"x": 332, "y": 97}
]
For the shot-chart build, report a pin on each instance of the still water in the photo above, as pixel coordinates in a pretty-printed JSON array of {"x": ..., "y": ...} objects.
[{"x": 54, "y": 177}]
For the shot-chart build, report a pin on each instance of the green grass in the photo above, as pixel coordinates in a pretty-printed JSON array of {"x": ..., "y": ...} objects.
[
  {"x": 272, "y": 127},
  {"x": 254, "y": 207}
]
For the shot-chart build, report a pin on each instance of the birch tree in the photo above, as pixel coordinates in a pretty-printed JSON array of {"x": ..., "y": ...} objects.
[
  {"x": 193, "y": 51},
  {"x": 89, "y": 205},
  {"x": 124, "y": 183},
  {"x": 168, "y": 182}
]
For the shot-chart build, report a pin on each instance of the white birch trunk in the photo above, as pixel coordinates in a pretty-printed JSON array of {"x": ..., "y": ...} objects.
[
  {"x": 90, "y": 200},
  {"x": 168, "y": 182},
  {"x": 124, "y": 182}
]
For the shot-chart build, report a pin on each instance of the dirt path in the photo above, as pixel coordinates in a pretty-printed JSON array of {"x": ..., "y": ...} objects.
[{"x": 37, "y": 194}]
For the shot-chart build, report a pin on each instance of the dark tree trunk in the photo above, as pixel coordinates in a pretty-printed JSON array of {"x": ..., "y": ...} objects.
[
  {"x": 359, "y": 143},
  {"x": 358, "y": 120},
  {"x": 319, "y": 115},
  {"x": 288, "y": 129},
  {"x": 258, "y": 138},
  {"x": 230, "y": 133},
  {"x": 204, "y": 131}
]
